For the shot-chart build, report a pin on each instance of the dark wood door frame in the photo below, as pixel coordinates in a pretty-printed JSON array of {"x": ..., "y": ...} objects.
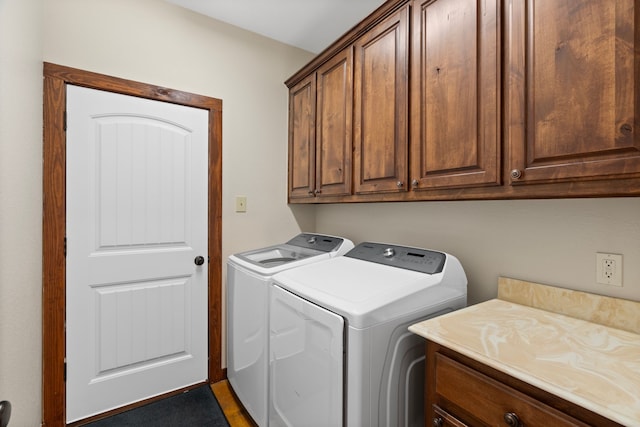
[{"x": 56, "y": 78}]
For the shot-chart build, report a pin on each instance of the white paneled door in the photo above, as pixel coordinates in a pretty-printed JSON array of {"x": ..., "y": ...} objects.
[{"x": 136, "y": 289}]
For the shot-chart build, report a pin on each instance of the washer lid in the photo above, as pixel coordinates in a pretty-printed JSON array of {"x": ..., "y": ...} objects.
[
  {"x": 277, "y": 255},
  {"x": 367, "y": 293},
  {"x": 302, "y": 249}
]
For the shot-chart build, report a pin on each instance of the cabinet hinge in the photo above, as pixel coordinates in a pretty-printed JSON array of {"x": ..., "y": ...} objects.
[
  {"x": 64, "y": 372},
  {"x": 64, "y": 121},
  {"x": 64, "y": 248}
]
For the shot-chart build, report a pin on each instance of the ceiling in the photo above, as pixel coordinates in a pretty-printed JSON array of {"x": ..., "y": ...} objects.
[{"x": 311, "y": 25}]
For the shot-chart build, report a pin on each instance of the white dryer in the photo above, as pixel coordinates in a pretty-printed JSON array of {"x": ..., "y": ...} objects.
[
  {"x": 248, "y": 276},
  {"x": 340, "y": 351}
]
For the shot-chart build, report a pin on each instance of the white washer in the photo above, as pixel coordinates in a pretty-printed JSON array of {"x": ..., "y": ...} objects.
[
  {"x": 248, "y": 275},
  {"x": 340, "y": 351}
]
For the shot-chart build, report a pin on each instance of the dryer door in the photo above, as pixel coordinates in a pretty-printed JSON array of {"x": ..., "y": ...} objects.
[{"x": 306, "y": 363}]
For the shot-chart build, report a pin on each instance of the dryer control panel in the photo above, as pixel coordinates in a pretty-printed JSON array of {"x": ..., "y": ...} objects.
[{"x": 416, "y": 259}]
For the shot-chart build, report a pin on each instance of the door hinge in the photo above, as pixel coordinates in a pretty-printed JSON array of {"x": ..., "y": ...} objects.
[
  {"x": 64, "y": 372},
  {"x": 64, "y": 121},
  {"x": 64, "y": 249}
]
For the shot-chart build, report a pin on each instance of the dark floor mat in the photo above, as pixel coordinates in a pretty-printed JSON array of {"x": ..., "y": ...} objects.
[{"x": 197, "y": 407}]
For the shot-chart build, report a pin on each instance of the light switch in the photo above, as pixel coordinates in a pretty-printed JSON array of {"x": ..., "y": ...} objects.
[{"x": 241, "y": 203}]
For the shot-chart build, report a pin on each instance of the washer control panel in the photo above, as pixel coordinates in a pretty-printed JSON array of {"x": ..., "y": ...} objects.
[
  {"x": 416, "y": 259},
  {"x": 318, "y": 242}
]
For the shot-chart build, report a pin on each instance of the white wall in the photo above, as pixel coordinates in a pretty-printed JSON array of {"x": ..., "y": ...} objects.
[
  {"x": 21, "y": 208},
  {"x": 545, "y": 241}
]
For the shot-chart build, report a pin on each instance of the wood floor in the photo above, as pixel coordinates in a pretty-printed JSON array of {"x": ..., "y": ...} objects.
[{"x": 231, "y": 406}]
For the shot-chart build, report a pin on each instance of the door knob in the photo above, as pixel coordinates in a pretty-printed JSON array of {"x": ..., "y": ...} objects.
[{"x": 199, "y": 260}]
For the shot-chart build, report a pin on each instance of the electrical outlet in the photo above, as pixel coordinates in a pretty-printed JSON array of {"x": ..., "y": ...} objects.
[
  {"x": 241, "y": 203},
  {"x": 609, "y": 269}
]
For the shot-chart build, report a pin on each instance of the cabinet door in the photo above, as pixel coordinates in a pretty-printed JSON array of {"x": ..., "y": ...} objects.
[
  {"x": 333, "y": 127},
  {"x": 455, "y": 138},
  {"x": 572, "y": 91},
  {"x": 302, "y": 137},
  {"x": 381, "y": 106}
]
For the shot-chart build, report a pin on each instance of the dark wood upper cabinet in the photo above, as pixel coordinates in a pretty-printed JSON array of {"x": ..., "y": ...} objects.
[
  {"x": 320, "y": 131},
  {"x": 572, "y": 94},
  {"x": 381, "y": 102},
  {"x": 455, "y": 94},
  {"x": 302, "y": 138},
  {"x": 334, "y": 114},
  {"x": 468, "y": 99}
]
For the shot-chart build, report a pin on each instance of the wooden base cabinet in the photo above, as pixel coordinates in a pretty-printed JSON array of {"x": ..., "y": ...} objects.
[{"x": 464, "y": 392}]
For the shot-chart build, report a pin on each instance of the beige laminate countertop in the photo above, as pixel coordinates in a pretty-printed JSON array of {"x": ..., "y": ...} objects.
[{"x": 586, "y": 363}]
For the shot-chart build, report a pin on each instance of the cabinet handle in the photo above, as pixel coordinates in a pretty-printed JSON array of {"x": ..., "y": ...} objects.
[
  {"x": 414, "y": 183},
  {"x": 626, "y": 129},
  {"x": 438, "y": 422},
  {"x": 516, "y": 174},
  {"x": 399, "y": 184},
  {"x": 512, "y": 419},
  {"x": 318, "y": 191}
]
